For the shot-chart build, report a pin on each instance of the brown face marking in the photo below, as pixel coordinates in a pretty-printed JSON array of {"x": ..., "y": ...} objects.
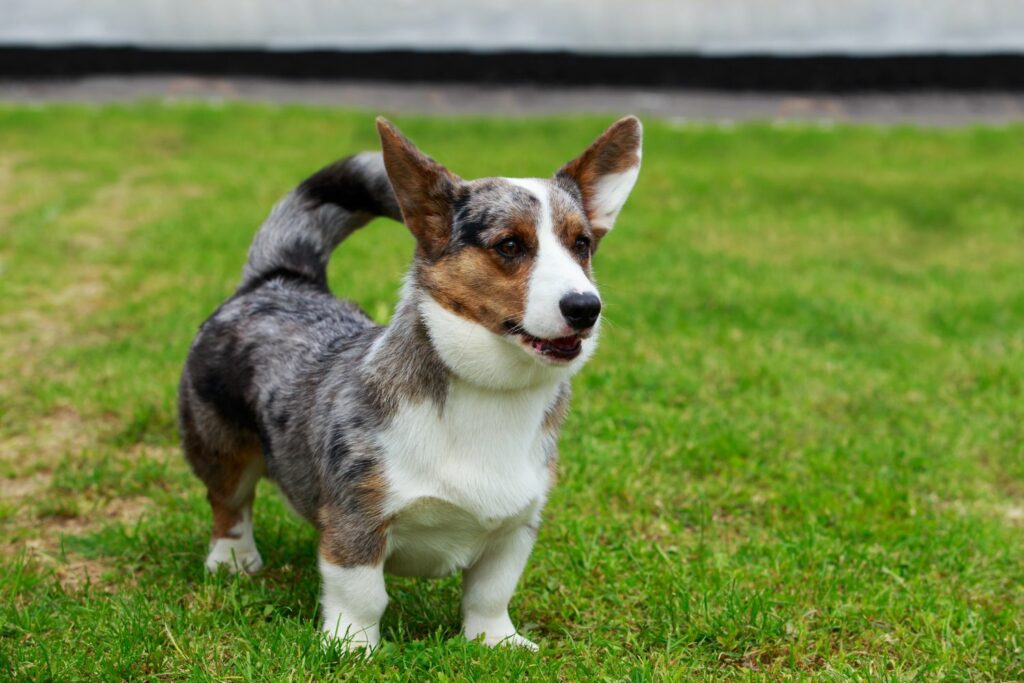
[
  {"x": 572, "y": 228},
  {"x": 473, "y": 278},
  {"x": 353, "y": 532}
]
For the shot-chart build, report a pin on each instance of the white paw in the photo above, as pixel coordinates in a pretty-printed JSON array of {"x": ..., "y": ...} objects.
[
  {"x": 236, "y": 555},
  {"x": 365, "y": 641},
  {"x": 514, "y": 640}
]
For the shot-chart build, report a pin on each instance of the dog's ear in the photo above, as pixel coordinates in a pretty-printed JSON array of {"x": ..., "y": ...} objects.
[
  {"x": 606, "y": 171},
  {"x": 424, "y": 188}
]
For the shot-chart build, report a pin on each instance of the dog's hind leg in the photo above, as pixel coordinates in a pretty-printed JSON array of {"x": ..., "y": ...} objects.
[
  {"x": 233, "y": 545},
  {"x": 230, "y": 464}
]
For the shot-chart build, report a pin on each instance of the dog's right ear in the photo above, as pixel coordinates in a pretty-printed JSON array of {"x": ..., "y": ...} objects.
[{"x": 424, "y": 188}]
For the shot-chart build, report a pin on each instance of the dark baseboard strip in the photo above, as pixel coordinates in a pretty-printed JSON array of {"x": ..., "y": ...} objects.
[{"x": 836, "y": 73}]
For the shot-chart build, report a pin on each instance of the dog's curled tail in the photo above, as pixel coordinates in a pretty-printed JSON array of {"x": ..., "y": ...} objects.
[{"x": 304, "y": 227}]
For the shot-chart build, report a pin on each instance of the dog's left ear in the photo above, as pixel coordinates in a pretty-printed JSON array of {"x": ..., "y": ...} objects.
[
  {"x": 606, "y": 171},
  {"x": 424, "y": 189}
]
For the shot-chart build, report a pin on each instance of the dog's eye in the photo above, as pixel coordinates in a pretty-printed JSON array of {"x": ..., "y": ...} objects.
[
  {"x": 510, "y": 248},
  {"x": 582, "y": 246}
]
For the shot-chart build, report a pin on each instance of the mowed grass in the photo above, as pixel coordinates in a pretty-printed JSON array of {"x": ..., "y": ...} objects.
[{"x": 798, "y": 452}]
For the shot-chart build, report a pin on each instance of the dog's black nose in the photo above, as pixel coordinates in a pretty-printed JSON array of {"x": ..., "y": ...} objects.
[{"x": 580, "y": 310}]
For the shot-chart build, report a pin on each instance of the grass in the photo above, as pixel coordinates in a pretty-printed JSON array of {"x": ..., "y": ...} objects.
[{"x": 798, "y": 452}]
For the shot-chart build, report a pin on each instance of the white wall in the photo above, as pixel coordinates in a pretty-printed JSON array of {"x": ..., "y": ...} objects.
[{"x": 636, "y": 26}]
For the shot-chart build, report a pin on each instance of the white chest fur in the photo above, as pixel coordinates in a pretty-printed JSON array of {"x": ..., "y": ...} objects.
[{"x": 461, "y": 477}]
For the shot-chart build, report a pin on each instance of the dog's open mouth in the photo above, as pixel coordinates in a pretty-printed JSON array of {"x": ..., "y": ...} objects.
[{"x": 561, "y": 349}]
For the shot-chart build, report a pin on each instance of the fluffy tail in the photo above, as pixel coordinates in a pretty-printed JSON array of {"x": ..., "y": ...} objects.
[{"x": 303, "y": 229}]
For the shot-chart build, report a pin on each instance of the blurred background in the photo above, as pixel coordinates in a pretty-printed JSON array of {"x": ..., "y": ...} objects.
[{"x": 686, "y": 58}]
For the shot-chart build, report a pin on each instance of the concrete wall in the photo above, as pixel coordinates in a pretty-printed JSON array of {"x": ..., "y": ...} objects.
[{"x": 601, "y": 26}]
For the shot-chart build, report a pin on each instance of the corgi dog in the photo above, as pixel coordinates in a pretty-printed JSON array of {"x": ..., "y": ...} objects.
[{"x": 427, "y": 446}]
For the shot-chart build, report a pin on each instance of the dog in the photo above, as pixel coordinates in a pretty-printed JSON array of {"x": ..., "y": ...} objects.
[{"x": 427, "y": 446}]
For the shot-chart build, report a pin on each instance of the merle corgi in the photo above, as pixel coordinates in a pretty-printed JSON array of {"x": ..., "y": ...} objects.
[{"x": 427, "y": 446}]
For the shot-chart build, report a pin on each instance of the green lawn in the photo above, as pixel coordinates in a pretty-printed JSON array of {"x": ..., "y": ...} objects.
[{"x": 798, "y": 452}]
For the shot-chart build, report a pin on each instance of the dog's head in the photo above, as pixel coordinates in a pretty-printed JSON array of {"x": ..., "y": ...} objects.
[{"x": 505, "y": 263}]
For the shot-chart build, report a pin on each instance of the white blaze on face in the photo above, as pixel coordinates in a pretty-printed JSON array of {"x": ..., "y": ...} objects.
[{"x": 555, "y": 272}]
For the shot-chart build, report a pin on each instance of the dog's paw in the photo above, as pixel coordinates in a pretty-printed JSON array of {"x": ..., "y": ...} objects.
[
  {"x": 234, "y": 555},
  {"x": 514, "y": 640},
  {"x": 361, "y": 642}
]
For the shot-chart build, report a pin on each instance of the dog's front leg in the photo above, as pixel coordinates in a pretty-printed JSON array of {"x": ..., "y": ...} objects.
[
  {"x": 488, "y": 586},
  {"x": 353, "y": 601}
]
